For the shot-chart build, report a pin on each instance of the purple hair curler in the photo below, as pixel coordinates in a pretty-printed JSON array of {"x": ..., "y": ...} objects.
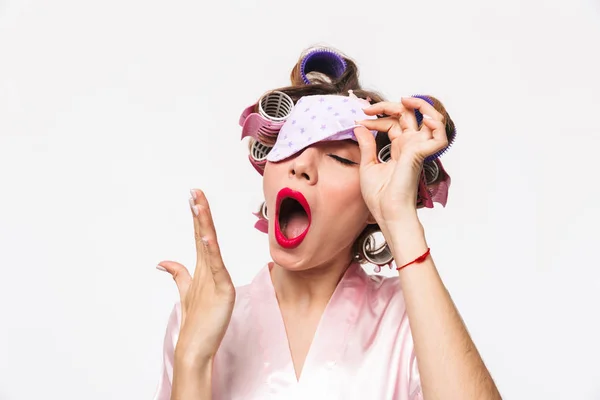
[{"x": 322, "y": 60}]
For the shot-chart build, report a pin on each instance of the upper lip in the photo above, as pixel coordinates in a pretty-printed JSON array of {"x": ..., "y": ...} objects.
[{"x": 286, "y": 193}]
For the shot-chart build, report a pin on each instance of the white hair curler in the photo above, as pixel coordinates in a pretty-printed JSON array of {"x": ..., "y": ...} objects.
[
  {"x": 376, "y": 250},
  {"x": 385, "y": 153},
  {"x": 259, "y": 151},
  {"x": 432, "y": 171},
  {"x": 275, "y": 106},
  {"x": 263, "y": 210}
]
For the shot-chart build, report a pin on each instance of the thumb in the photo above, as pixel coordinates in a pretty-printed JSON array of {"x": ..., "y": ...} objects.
[
  {"x": 180, "y": 274},
  {"x": 367, "y": 145}
]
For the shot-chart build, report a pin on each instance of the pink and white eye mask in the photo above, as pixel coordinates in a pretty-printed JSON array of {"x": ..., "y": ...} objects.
[{"x": 318, "y": 118}]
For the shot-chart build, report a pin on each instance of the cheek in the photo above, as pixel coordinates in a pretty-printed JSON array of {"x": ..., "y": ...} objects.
[
  {"x": 345, "y": 193},
  {"x": 271, "y": 177}
]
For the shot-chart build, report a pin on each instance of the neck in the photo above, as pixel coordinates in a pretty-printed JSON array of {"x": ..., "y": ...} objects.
[{"x": 311, "y": 287}]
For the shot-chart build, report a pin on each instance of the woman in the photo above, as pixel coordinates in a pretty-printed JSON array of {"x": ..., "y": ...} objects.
[{"x": 313, "y": 324}]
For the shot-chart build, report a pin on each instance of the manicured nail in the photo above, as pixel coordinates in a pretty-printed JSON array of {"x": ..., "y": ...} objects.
[
  {"x": 426, "y": 116},
  {"x": 161, "y": 268},
  {"x": 194, "y": 207},
  {"x": 193, "y": 193}
]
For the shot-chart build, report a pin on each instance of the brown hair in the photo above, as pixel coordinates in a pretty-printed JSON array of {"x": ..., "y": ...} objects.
[{"x": 320, "y": 83}]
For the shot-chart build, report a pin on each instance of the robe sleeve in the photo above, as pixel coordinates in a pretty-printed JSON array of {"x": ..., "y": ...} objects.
[
  {"x": 408, "y": 380},
  {"x": 163, "y": 392},
  {"x": 414, "y": 382}
]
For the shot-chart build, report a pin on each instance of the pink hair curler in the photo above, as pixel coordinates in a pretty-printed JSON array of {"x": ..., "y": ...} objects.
[
  {"x": 258, "y": 155},
  {"x": 263, "y": 222},
  {"x": 264, "y": 126},
  {"x": 273, "y": 109}
]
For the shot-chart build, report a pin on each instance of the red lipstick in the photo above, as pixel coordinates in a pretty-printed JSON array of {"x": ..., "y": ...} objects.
[{"x": 279, "y": 236}]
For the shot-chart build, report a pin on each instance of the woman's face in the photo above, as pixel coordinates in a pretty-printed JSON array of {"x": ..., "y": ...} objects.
[{"x": 314, "y": 205}]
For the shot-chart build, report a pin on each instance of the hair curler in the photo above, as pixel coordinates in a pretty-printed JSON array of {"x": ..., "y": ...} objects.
[{"x": 322, "y": 60}]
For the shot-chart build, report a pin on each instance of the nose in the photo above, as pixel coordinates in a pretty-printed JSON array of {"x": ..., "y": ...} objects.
[{"x": 304, "y": 166}]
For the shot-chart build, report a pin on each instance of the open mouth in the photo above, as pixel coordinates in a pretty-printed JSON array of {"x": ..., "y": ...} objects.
[{"x": 292, "y": 218}]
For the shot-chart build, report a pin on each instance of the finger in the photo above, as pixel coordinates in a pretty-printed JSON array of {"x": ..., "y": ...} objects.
[
  {"x": 436, "y": 142},
  {"x": 215, "y": 262},
  {"x": 180, "y": 274},
  {"x": 385, "y": 107},
  {"x": 438, "y": 131},
  {"x": 382, "y": 125},
  {"x": 425, "y": 131},
  {"x": 367, "y": 146},
  {"x": 199, "y": 207},
  {"x": 200, "y": 202},
  {"x": 207, "y": 248},
  {"x": 424, "y": 107},
  {"x": 406, "y": 116}
]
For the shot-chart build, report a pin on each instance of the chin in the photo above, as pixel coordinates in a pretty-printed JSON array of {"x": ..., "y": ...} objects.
[
  {"x": 285, "y": 259},
  {"x": 290, "y": 259}
]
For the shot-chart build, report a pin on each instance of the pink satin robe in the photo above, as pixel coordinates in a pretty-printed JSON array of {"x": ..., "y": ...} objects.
[{"x": 362, "y": 348}]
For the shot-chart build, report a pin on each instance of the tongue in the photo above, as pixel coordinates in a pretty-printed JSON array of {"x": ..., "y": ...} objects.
[{"x": 297, "y": 223}]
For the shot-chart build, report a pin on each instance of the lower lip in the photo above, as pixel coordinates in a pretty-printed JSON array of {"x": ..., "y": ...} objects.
[{"x": 279, "y": 236}]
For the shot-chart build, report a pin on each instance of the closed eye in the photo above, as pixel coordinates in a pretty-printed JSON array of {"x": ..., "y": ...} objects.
[{"x": 342, "y": 160}]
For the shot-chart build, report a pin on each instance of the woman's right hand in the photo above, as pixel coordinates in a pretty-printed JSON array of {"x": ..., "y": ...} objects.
[{"x": 207, "y": 299}]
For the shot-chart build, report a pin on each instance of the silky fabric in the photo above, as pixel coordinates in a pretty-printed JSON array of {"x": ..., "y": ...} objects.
[{"x": 362, "y": 348}]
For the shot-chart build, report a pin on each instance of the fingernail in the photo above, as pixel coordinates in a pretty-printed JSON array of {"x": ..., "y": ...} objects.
[
  {"x": 161, "y": 268},
  {"x": 426, "y": 116},
  {"x": 194, "y": 206},
  {"x": 193, "y": 193}
]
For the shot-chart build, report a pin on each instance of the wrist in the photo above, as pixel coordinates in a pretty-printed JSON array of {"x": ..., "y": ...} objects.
[
  {"x": 191, "y": 380},
  {"x": 406, "y": 240},
  {"x": 402, "y": 226},
  {"x": 188, "y": 362},
  {"x": 401, "y": 216}
]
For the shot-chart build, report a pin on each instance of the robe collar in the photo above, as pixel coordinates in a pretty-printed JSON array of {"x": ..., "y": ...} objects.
[{"x": 331, "y": 336}]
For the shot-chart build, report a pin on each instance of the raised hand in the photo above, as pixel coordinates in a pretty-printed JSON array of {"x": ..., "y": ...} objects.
[
  {"x": 390, "y": 188},
  {"x": 207, "y": 299}
]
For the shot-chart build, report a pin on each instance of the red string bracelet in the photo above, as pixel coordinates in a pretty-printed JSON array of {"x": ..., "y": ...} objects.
[{"x": 416, "y": 260}]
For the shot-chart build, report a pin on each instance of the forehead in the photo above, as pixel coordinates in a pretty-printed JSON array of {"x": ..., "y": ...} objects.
[{"x": 337, "y": 144}]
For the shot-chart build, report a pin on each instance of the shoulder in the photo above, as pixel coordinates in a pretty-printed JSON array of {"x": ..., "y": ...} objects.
[
  {"x": 383, "y": 288},
  {"x": 384, "y": 299}
]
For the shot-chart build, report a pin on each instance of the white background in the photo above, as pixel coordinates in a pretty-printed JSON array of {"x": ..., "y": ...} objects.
[{"x": 110, "y": 111}]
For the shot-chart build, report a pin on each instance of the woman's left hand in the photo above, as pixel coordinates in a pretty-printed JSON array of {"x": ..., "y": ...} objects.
[{"x": 390, "y": 189}]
